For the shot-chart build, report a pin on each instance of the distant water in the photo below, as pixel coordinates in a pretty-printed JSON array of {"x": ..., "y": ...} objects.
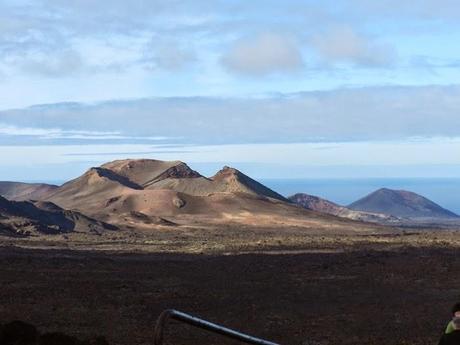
[
  {"x": 443, "y": 191},
  {"x": 55, "y": 182}
]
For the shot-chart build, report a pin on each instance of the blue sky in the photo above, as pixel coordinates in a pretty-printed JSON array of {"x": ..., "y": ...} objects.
[{"x": 280, "y": 89}]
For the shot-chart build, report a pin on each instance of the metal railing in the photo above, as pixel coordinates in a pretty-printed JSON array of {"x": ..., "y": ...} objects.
[{"x": 203, "y": 324}]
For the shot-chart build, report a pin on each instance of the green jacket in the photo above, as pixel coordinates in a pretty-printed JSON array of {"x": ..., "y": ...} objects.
[{"x": 450, "y": 327}]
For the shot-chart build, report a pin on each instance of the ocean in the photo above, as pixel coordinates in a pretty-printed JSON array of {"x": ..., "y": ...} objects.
[{"x": 443, "y": 191}]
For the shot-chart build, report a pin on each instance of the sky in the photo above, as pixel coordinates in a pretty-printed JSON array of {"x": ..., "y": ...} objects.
[{"x": 279, "y": 89}]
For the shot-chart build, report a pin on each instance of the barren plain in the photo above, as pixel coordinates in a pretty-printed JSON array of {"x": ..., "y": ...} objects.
[{"x": 287, "y": 286}]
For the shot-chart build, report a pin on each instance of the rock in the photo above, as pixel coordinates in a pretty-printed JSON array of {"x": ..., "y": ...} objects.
[{"x": 178, "y": 202}]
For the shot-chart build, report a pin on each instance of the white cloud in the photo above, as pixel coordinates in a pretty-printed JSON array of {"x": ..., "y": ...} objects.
[
  {"x": 343, "y": 44},
  {"x": 284, "y": 160},
  {"x": 89, "y": 45},
  {"x": 54, "y": 133},
  {"x": 58, "y": 133},
  {"x": 168, "y": 55},
  {"x": 48, "y": 38},
  {"x": 355, "y": 114},
  {"x": 263, "y": 54},
  {"x": 56, "y": 64},
  {"x": 425, "y": 10}
]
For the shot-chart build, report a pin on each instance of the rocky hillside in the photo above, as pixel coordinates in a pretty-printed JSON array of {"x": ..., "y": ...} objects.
[
  {"x": 318, "y": 204},
  {"x": 25, "y": 191},
  {"x": 24, "y": 218},
  {"x": 401, "y": 203}
]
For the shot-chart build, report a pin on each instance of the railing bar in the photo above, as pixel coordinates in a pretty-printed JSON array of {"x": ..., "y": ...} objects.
[{"x": 200, "y": 323}]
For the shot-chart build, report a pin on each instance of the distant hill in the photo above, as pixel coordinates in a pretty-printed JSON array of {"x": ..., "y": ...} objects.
[
  {"x": 318, "y": 204},
  {"x": 26, "y": 218},
  {"x": 25, "y": 191},
  {"x": 400, "y": 203}
]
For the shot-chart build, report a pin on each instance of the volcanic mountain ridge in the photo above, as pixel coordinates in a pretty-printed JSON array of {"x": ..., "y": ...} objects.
[
  {"x": 139, "y": 193},
  {"x": 318, "y": 204},
  {"x": 19, "y": 191},
  {"x": 401, "y": 203}
]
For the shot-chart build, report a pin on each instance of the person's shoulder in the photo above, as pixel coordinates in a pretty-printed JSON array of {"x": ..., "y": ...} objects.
[{"x": 450, "y": 327}]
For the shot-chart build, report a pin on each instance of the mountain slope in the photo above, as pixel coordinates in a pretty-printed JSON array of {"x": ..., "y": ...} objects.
[
  {"x": 318, "y": 204},
  {"x": 315, "y": 203},
  {"x": 86, "y": 192},
  {"x": 234, "y": 180},
  {"x": 400, "y": 203},
  {"x": 25, "y": 191},
  {"x": 26, "y": 217},
  {"x": 227, "y": 180}
]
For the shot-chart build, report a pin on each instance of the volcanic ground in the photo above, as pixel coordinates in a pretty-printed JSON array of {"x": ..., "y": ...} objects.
[{"x": 357, "y": 289}]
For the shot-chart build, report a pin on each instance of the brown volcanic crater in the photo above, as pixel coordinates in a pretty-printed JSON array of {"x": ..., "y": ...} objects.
[
  {"x": 145, "y": 172},
  {"x": 118, "y": 191},
  {"x": 153, "y": 185}
]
